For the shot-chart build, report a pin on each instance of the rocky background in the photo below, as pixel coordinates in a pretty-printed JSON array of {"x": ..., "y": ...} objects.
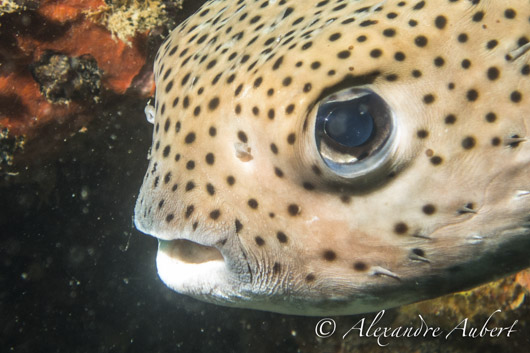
[{"x": 75, "y": 276}]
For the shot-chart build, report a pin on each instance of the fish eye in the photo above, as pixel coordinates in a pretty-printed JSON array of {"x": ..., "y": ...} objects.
[{"x": 355, "y": 132}]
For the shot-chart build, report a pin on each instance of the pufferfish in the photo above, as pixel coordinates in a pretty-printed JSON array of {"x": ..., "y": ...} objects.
[{"x": 337, "y": 157}]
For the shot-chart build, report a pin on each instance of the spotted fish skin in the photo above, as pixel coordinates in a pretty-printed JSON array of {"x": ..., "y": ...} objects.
[{"x": 249, "y": 213}]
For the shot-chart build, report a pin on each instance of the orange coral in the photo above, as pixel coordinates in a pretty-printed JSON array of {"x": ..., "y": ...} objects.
[{"x": 60, "y": 26}]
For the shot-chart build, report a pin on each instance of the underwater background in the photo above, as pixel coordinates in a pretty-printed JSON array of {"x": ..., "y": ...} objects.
[{"x": 75, "y": 274}]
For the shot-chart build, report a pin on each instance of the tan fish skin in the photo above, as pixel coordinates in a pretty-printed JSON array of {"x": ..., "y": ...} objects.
[{"x": 257, "y": 202}]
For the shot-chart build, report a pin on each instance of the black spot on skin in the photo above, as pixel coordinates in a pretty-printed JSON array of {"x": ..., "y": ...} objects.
[
  {"x": 174, "y": 187},
  {"x": 190, "y": 165},
  {"x": 472, "y": 95},
  {"x": 282, "y": 238},
  {"x": 210, "y": 158},
  {"x": 401, "y": 228},
  {"x": 287, "y": 81},
  {"x": 468, "y": 143},
  {"x": 160, "y": 204},
  {"x": 334, "y": 37},
  {"x": 166, "y": 151},
  {"x": 274, "y": 148},
  {"x": 170, "y": 217},
  {"x": 230, "y": 180},
  {"x": 277, "y": 63},
  {"x": 237, "y": 91},
  {"x": 278, "y": 172},
  {"x": 360, "y": 266},
  {"x": 242, "y": 136},
  {"x": 215, "y": 214},
  {"x": 525, "y": 70},
  {"x": 429, "y": 209},
  {"x": 238, "y": 225},
  {"x": 343, "y": 54},
  {"x": 167, "y": 178},
  {"x": 346, "y": 199},
  {"x": 416, "y": 73},
  {"x": 316, "y": 170},
  {"x": 450, "y": 119},
  {"x": 477, "y": 17},
  {"x": 495, "y": 141},
  {"x": 514, "y": 144},
  {"x": 307, "y": 87},
  {"x": 428, "y": 98},
  {"x": 522, "y": 41},
  {"x": 368, "y": 23},
  {"x": 289, "y": 109},
  {"x": 329, "y": 255},
  {"x": 440, "y": 22},
  {"x": 259, "y": 240},
  {"x": 314, "y": 65},
  {"x": 276, "y": 268},
  {"x": 389, "y": 32},
  {"x": 212, "y": 131},
  {"x": 436, "y": 160},
  {"x": 308, "y": 186},
  {"x": 310, "y": 277},
  {"x": 509, "y": 14},
  {"x": 492, "y": 44},
  {"x": 493, "y": 73},
  {"x": 169, "y": 86},
  {"x": 466, "y": 64},
  {"x": 419, "y": 252},
  {"x": 422, "y": 133},
  {"x": 413, "y": 23},
  {"x": 491, "y": 117},
  {"x": 516, "y": 96},
  {"x": 391, "y": 15},
  {"x": 391, "y": 77},
  {"x": 189, "y": 138},
  {"x": 210, "y": 188},
  {"x": 399, "y": 56},
  {"x": 376, "y": 53},
  {"x": 419, "y": 5},
  {"x": 190, "y": 185},
  {"x": 252, "y": 203},
  {"x": 213, "y": 103},
  {"x": 189, "y": 211},
  {"x": 362, "y": 38},
  {"x": 420, "y": 41},
  {"x": 291, "y": 138},
  {"x": 463, "y": 37},
  {"x": 293, "y": 209}
]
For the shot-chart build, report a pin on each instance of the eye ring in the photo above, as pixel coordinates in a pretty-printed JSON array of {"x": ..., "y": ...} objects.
[{"x": 355, "y": 132}]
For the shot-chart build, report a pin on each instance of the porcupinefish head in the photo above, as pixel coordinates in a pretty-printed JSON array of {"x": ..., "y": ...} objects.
[{"x": 337, "y": 157}]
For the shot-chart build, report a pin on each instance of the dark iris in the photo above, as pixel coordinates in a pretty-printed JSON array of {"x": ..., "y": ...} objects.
[{"x": 349, "y": 123}]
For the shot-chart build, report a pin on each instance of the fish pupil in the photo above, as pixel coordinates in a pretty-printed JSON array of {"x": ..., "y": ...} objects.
[{"x": 349, "y": 124}]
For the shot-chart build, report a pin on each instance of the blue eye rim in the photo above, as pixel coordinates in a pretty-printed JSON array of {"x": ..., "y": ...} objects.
[{"x": 369, "y": 156}]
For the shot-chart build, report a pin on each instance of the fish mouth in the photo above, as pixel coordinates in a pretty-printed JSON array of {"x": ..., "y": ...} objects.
[
  {"x": 198, "y": 270},
  {"x": 188, "y": 252}
]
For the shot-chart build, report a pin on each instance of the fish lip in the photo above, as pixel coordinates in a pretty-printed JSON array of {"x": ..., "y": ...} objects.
[{"x": 211, "y": 272}]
